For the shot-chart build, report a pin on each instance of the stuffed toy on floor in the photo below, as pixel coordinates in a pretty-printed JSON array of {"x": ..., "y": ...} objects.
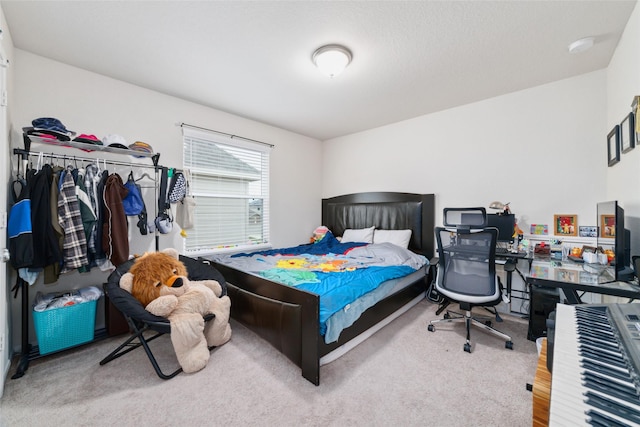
[{"x": 159, "y": 281}]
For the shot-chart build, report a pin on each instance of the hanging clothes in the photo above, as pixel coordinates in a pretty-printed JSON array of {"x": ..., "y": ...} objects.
[
  {"x": 91, "y": 180},
  {"x": 70, "y": 219},
  {"x": 45, "y": 249},
  {"x": 52, "y": 271},
  {"x": 100, "y": 252},
  {"x": 88, "y": 218},
  {"x": 19, "y": 227},
  {"x": 115, "y": 236}
]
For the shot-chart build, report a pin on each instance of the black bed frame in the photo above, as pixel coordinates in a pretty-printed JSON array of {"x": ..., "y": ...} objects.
[{"x": 288, "y": 317}]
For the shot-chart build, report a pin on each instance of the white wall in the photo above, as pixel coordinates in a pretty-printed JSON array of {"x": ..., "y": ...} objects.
[
  {"x": 90, "y": 103},
  {"x": 623, "y": 83},
  {"x": 542, "y": 149}
]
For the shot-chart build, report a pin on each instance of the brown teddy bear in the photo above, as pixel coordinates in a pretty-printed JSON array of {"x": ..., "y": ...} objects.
[{"x": 159, "y": 281}]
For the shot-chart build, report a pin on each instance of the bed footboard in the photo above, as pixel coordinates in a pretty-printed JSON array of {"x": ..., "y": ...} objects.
[{"x": 285, "y": 317}]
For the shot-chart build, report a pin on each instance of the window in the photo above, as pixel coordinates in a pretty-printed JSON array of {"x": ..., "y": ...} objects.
[{"x": 230, "y": 182}]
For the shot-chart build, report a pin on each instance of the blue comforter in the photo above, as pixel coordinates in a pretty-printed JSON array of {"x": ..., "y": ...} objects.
[
  {"x": 337, "y": 290},
  {"x": 328, "y": 245}
]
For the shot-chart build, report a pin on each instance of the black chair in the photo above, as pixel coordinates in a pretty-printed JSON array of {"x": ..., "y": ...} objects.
[
  {"x": 466, "y": 270},
  {"x": 140, "y": 320}
]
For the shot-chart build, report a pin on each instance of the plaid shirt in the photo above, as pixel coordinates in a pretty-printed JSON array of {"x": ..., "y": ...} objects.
[{"x": 75, "y": 243}]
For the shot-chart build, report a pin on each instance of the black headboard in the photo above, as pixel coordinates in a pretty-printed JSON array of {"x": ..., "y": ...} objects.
[{"x": 386, "y": 211}]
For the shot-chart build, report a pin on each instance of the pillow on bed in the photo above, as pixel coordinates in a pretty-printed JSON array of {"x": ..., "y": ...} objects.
[
  {"x": 358, "y": 235},
  {"x": 397, "y": 237}
]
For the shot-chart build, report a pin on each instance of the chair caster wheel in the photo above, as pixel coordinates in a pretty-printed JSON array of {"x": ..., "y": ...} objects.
[
  {"x": 488, "y": 323},
  {"x": 431, "y": 328},
  {"x": 447, "y": 316},
  {"x": 467, "y": 348},
  {"x": 509, "y": 345}
]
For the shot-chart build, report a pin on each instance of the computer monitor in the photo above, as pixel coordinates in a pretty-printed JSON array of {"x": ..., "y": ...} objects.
[
  {"x": 505, "y": 223},
  {"x": 611, "y": 232}
]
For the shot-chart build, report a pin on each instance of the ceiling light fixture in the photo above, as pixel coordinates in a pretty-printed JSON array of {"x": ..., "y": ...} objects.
[
  {"x": 331, "y": 59},
  {"x": 581, "y": 45}
]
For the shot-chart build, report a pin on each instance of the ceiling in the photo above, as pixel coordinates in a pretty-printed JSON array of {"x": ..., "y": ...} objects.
[{"x": 253, "y": 58}]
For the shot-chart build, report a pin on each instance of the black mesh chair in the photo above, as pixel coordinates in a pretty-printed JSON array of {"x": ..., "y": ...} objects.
[
  {"x": 144, "y": 326},
  {"x": 466, "y": 269}
]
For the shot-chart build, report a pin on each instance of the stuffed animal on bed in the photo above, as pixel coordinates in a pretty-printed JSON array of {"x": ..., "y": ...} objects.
[
  {"x": 318, "y": 234},
  {"x": 159, "y": 281}
]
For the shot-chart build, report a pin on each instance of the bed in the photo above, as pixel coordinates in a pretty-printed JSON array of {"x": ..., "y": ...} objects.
[{"x": 288, "y": 317}]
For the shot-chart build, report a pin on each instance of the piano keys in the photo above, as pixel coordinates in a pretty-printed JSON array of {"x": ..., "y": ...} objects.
[{"x": 596, "y": 366}]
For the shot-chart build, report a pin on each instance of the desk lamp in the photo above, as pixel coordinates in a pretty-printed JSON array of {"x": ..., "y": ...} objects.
[{"x": 501, "y": 206}]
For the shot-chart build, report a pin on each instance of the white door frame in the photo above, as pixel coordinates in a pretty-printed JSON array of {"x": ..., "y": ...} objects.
[{"x": 5, "y": 354}]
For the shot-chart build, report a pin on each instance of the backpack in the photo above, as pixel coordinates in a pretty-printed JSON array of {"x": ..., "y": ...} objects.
[
  {"x": 19, "y": 226},
  {"x": 133, "y": 203}
]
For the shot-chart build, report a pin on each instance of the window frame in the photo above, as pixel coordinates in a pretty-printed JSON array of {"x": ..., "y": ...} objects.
[{"x": 198, "y": 175}]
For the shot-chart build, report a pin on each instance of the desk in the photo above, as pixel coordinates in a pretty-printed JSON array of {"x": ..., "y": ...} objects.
[
  {"x": 572, "y": 277},
  {"x": 546, "y": 276}
]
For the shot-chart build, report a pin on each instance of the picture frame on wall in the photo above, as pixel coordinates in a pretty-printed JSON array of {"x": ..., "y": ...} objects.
[
  {"x": 613, "y": 146},
  {"x": 565, "y": 225},
  {"x": 627, "y": 133},
  {"x": 588, "y": 231}
]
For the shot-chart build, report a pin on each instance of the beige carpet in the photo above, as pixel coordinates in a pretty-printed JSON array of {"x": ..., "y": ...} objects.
[{"x": 401, "y": 376}]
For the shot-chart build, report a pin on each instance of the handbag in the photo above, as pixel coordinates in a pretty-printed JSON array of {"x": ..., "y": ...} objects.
[
  {"x": 185, "y": 212},
  {"x": 133, "y": 202},
  {"x": 164, "y": 223},
  {"x": 177, "y": 187}
]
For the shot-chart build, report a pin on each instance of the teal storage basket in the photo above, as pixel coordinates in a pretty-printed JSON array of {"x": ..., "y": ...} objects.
[{"x": 65, "y": 327}]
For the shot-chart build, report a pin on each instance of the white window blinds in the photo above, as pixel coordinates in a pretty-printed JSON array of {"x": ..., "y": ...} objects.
[{"x": 230, "y": 182}]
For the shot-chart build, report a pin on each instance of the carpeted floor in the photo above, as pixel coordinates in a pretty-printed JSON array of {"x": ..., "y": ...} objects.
[{"x": 403, "y": 376}]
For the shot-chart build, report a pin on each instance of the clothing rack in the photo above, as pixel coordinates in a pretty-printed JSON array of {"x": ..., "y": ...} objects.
[
  {"x": 27, "y": 352},
  {"x": 26, "y": 153}
]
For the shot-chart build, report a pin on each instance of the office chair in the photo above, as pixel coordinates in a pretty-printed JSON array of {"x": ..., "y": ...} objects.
[
  {"x": 144, "y": 326},
  {"x": 466, "y": 270}
]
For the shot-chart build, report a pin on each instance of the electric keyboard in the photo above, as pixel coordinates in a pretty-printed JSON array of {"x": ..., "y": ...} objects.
[{"x": 596, "y": 366}]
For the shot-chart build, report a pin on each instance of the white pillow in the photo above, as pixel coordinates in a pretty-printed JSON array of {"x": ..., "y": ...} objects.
[
  {"x": 360, "y": 235},
  {"x": 397, "y": 237}
]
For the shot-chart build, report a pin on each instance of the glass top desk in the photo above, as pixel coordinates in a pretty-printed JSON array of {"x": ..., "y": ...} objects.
[{"x": 573, "y": 277}]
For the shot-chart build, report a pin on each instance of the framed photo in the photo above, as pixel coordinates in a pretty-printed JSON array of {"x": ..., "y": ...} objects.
[
  {"x": 627, "y": 133},
  {"x": 588, "y": 231},
  {"x": 539, "y": 229},
  {"x": 565, "y": 225},
  {"x": 608, "y": 226},
  {"x": 613, "y": 146}
]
